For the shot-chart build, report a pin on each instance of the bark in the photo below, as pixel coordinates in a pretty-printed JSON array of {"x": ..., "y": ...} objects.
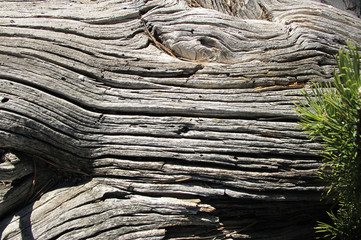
[{"x": 162, "y": 119}]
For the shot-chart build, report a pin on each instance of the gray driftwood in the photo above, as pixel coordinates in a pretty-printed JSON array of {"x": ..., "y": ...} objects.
[{"x": 162, "y": 119}]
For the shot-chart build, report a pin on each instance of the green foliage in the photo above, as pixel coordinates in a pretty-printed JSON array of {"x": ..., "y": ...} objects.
[{"x": 331, "y": 114}]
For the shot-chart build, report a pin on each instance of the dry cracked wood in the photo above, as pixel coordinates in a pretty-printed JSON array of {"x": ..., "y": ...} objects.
[{"x": 161, "y": 119}]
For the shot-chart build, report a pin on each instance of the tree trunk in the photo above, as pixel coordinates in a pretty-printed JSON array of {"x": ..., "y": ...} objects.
[{"x": 164, "y": 119}]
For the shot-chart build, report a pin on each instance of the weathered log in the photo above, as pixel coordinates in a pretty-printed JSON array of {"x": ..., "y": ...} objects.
[{"x": 162, "y": 119}]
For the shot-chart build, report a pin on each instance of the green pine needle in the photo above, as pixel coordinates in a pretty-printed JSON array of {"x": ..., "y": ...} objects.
[{"x": 330, "y": 114}]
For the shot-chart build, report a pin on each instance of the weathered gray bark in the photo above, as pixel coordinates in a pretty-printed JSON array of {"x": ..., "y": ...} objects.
[{"x": 162, "y": 119}]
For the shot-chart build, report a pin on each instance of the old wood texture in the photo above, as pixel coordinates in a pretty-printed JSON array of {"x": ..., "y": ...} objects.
[{"x": 164, "y": 119}]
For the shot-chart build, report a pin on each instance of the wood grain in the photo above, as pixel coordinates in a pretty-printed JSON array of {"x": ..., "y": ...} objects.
[{"x": 133, "y": 142}]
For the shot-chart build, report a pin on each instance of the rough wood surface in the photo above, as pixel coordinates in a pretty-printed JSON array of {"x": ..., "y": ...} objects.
[{"x": 162, "y": 119}]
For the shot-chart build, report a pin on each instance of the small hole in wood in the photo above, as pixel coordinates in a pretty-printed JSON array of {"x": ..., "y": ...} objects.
[
  {"x": 208, "y": 42},
  {"x": 4, "y": 100},
  {"x": 183, "y": 129}
]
